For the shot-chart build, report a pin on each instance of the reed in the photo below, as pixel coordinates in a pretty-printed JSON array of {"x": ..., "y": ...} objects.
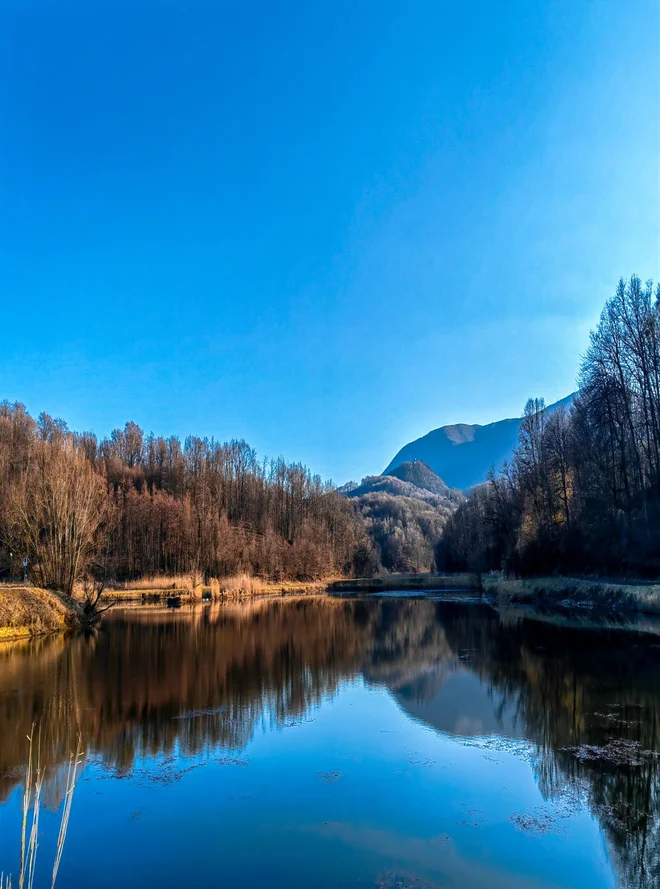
[
  {"x": 31, "y": 799},
  {"x": 34, "y": 779},
  {"x": 243, "y": 584},
  {"x": 72, "y": 775},
  {"x": 148, "y": 583}
]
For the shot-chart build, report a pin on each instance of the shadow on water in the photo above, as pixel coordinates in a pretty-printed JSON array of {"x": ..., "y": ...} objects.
[{"x": 153, "y": 682}]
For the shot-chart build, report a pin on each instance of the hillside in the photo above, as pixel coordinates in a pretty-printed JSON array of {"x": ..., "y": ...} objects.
[
  {"x": 439, "y": 495},
  {"x": 417, "y": 473},
  {"x": 462, "y": 454},
  {"x": 404, "y": 514}
]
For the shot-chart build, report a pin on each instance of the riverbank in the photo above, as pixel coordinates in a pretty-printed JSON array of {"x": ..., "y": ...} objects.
[
  {"x": 568, "y": 593},
  {"x": 27, "y": 611},
  {"x": 188, "y": 589},
  {"x": 550, "y": 593}
]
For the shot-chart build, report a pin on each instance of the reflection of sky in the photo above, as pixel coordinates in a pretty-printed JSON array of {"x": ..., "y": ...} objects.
[{"x": 355, "y": 792}]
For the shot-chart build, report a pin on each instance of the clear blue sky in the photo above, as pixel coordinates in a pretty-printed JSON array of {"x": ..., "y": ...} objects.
[{"x": 324, "y": 227}]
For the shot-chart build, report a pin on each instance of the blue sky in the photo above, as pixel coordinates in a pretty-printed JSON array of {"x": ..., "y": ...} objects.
[{"x": 325, "y": 228}]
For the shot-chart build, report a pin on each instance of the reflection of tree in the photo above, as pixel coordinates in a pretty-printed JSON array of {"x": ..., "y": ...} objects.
[
  {"x": 224, "y": 669},
  {"x": 590, "y": 700},
  {"x": 157, "y": 680},
  {"x": 406, "y": 641},
  {"x": 126, "y": 688}
]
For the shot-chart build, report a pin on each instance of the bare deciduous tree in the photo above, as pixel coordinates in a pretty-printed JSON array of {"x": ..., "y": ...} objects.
[
  {"x": 586, "y": 486},
  {"x": 56, "y": 512}
]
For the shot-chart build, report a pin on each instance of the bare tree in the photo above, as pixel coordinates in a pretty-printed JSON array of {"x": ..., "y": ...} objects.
[
  {"x": 587, "y": 482},
  {"x": 57, "y": 511}
]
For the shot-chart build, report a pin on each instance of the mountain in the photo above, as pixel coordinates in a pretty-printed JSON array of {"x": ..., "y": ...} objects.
[
  {"x": 417, "y": 473},
  {"x": 463, "y": 454},
  {"x": 415, "y": 480}
]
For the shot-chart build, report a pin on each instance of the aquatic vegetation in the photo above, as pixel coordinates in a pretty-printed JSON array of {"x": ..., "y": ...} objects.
[{"x": 32, "y": 794}]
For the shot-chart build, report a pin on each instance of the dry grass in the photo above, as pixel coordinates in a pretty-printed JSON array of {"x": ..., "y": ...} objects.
[
  {"x": 156, "y": 583},
  {"x": 159, "y": 585},
  {"x": 646, "y": 598},
  {"x": 133, "y": 595},
  {"x": 577, "y": 592},
  {"x": 246, "y": 585},
  {"x": 188, "y": 586},
  {"x": 242, "y": 584},
  {"x": 161, "y": 582},
  {"x": 30, "y": 611}
]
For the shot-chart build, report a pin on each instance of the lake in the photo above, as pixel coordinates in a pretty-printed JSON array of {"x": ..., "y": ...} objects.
[{"x": 327, "y": 742}]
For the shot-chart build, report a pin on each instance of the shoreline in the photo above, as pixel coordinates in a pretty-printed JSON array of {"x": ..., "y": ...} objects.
[
  {"x": 27, "y": 611},
  {"x": 576, "y": 594},
  {"x": 217, "y": 591},
  {"x": 553, "y": 594}
]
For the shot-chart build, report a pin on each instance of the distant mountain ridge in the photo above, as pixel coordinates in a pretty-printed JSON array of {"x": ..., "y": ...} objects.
[{"x": 462, "y": 454}]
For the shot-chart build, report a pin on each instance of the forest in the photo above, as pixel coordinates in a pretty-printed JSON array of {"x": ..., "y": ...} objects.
[
  {"x": 133, "y": 505},
  {"x": 581, "y": 494}
]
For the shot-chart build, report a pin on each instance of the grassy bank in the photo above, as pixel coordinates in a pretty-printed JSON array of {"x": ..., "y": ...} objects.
[
  {"x": 190, "y": 588},
  {"x": 245, "y": 585},
  {"x": 560, "y": 593},
  {"x": 29, "y": 611},
  {"x": 570, "y": 593}
]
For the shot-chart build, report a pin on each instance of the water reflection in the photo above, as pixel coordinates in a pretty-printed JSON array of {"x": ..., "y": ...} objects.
[{"x": 154, "y": 682}]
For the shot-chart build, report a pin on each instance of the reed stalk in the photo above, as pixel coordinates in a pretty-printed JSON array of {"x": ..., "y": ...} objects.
[
  {"x": 34, "y": 779},
  {"x": 72, "y": 774}
]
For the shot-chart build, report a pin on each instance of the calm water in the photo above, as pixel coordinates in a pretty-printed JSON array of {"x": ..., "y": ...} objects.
[{"x": 340, "y": 742}]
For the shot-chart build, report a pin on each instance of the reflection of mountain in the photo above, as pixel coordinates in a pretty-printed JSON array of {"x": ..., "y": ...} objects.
[
  {"x": 153, "y": 679},
  {"x": 458, "y": 703}
]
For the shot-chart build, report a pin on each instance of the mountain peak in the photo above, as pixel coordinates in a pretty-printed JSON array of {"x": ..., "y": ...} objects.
[
  {"x": 462, "y": 454},
  {"x": 418, "y": 473}
]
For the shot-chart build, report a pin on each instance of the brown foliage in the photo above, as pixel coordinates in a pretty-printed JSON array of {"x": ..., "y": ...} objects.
[{"x": 135, "y": 505}]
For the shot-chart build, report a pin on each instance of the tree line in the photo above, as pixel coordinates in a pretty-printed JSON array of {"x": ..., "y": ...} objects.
[
  {"x": 135, "y": 504},
  {"x": 580, "y": 495},
  {"x": 582, "y": 491}
]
